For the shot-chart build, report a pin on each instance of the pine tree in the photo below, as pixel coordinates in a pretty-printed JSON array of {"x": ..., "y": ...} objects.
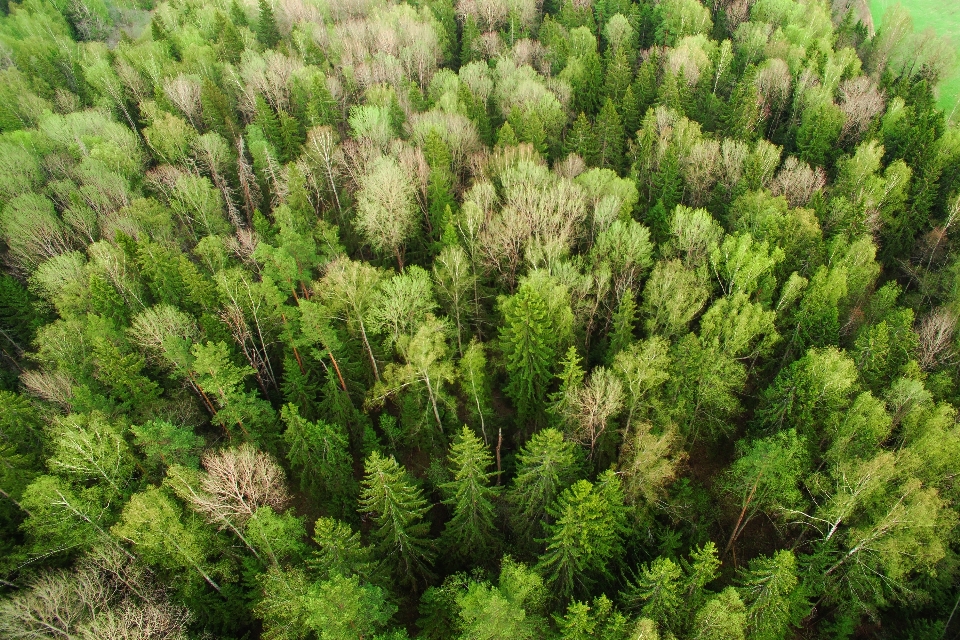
[
  {"x": 472, "y": 531},
  {"x": 268, "y": 33},
  {"x": 609, "y": 135},
  {"x": 397, "y": 508}
]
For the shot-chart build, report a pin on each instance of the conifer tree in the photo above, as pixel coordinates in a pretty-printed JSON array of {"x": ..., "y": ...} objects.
[
  {"x": 586, "y": 537},
  {"x": 774, "y": 598},
  {"x": 618, "y": 77},
  {"x": 581, "y": 140},
  {"x": 609, "y": 135},
  {"x": 471, "y": 533},
  {"x": 630, "y": 106},
  {"x": 397, "y": 508},
  {"x": 506, "y": 136},
  {"x": 530, "y": 349},
  {"x": 546, "y": 466},
  {"x": 320, "y": 451},
  {"x": 268, "y": 33}
]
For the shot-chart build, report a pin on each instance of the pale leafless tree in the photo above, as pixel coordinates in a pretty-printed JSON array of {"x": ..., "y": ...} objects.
[
  {"x": 184, "y": 92},
  {"x": 861, "y": 102},
  {"x": 936, "y": 333},
  {"x": 237, "y": 482},
  {"x": 797, "y": 182},
  {"x": 588, "y": 408},
  {"x": 108, "y": 594}
]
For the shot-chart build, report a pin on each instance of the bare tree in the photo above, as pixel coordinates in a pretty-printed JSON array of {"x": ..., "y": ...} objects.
[
  {"x": 936, "y": 339},
  {"x": 589, "y": 408},
  {"x": 861, "y": 102},
  {"x": 108, "y": 594},
  {"x": 797, "y": 182},
  {"x": 184, "y": 92},
  {"x": 239, "y": 481}
]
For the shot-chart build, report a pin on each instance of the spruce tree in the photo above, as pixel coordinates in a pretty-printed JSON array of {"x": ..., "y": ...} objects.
[
  {"x": 320, "y": 452},
  {"x": 630, "y": 106},
  {"x": 268, "y": 33},
  {"x": 397, "y": 508},
  {"x": 530, "y": 349},
  {"x": 581, "y": 141},
  {"x": 472, "y": 531},
  {"x": 775, "y": 600},
  {"x": 587, "y": 536},
  {"x": 546, "y": 466},
  {"x": 618, "y": 77},
  {"x": 609, "y": 135}
]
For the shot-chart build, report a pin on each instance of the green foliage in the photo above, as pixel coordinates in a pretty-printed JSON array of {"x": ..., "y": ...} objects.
[
  {"x": 585, "y": 536},
  {"x": 397, "y": 508},
  {"x": 587, "y": 284},
  {"x": 472, "y": 530}
]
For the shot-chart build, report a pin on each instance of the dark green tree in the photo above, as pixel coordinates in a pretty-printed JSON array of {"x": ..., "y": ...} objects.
[
  {"x": 397, "y": 508},
  {"x": 472, "y": 531}
]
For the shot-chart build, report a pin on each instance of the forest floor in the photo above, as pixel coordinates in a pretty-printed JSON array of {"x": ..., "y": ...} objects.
[{"x": 944, "y": 17}]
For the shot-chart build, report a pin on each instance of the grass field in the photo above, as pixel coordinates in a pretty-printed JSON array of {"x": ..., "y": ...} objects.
[{"x": 944, "y": 17}]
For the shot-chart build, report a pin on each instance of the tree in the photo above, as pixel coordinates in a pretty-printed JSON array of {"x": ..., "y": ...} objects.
[
  {"x": 386, "y": 209},
  {"x": 672, "y": 297},
  {"x": 339, "y": 551},
  {"x": 585, "y": 536},
  {"x": 513, "y": 609},
  {"x": 581, "y": 140},
  {"x": 532, "y": 337},
  {"x": 587, "y": 408},
  {"x": 152, "y": 522},
  {"x": 583, "y": 621},
  {"x": 268, "y": 33},
  {"x": 775, "y": 601},
  {"x": 397, "y": 508},
  {"x": 338, "y": 608},
  {"x": 819, "y": 131},
  {"x": 723, "y": 617},
  {"x": 765, "y": 478},
  {"x": 609, "y": 136},
  {"x": 428, "y": 369},
  {"x": 456, "y": 288},
  {"x": 546, "y": 466},
  {"x": 475, "y": 385},
  {"x": 657, "y": 593},
  {"x": 321, "y": 452},
  {"x": 472, "y": 530}
]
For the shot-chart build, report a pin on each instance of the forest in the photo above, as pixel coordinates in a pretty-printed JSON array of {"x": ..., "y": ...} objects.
[{"x": 477, "y": 319}]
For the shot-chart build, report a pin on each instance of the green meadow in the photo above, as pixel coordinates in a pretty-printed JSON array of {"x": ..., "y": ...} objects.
[{"x": 944, "y": 17}]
